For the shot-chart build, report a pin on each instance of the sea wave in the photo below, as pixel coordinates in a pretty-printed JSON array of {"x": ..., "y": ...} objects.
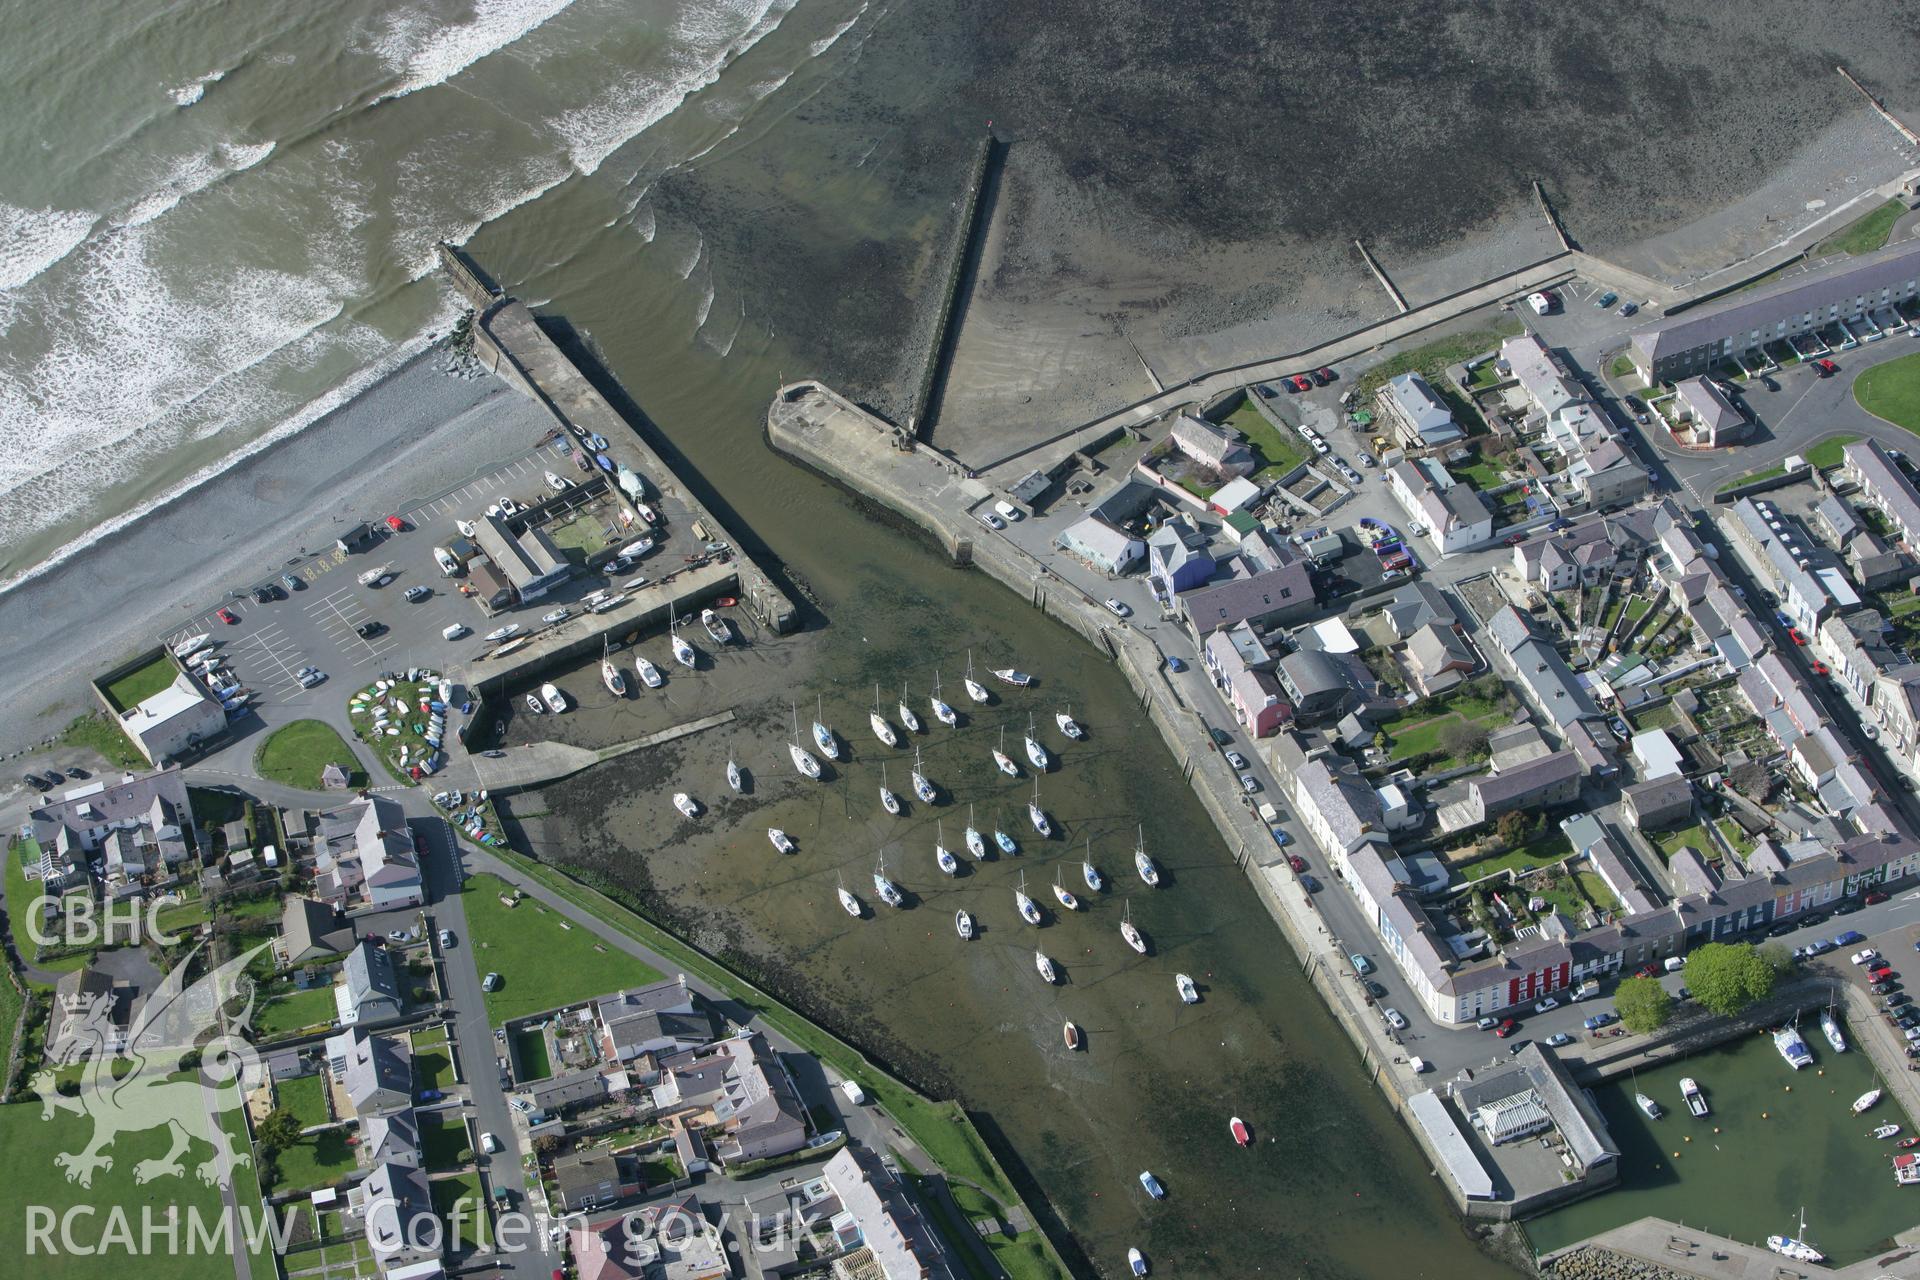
[
  {"x": 31, "y": 240},
  {"x": 192, "y": 175},
  {"x": 704, "y": 41},
  {"x": 827, "y": 41},
  {"x": 368, "y": 375},
  {"x": 185, "y": 95},
  {"x": 423, "y": 51}
]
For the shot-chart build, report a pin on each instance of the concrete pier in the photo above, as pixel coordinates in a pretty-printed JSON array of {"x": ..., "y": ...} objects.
[{"x": 535, "y": 764}]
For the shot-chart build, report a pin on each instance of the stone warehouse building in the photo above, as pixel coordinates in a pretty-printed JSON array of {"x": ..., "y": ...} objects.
[{"x": 1690, "y": 343}]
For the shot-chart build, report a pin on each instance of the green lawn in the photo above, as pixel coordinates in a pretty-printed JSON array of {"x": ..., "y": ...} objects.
[
  {"x": 135, "y": 687},
  {"x": 432, "y": 1067},
  {"x": 319, "y": 1160},
  {"x": 444, "y": 1141},
  {"x": 294, "y": 755},
  {"x": 295, "y": 1011},
  {"x": 33, "y": 1178},
  {"x": 1596, "y": 889},
  {"x": 1660, "y": 717},
  {"x": 1278, "y": 454},
  {"x": 1420, "y": 731},
  {"x": 1622, "y": 367},
  {"x": 22, "y": 893},
  {"x": 472, "y": 1227},
  {"x": 1432, "y": 359},
  {"x": 1546, "y": 849},
  {"x": 1693, "y": 836},
  {"x": 1736, "y": 836},
  {"x": 1864, "y": 234},
  {"x": 97, "y": 733},
  {"x": 1482, "y": 473},
  {"x": 541, "y": 965},
  {"x": 1825, "y": 456},
  {"x": 532, "y": 1047},
  {"x": 1892, "y": 391},
  {"x": 305, "y": 1096},
  {"x": 1752, "y": 477}
]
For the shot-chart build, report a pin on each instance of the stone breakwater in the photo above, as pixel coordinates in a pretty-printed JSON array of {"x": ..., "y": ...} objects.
[{"x": 1591, "y": 1262}]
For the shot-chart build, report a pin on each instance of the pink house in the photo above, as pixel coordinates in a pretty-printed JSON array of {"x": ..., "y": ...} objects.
[{"x": 1256, "y": 701}]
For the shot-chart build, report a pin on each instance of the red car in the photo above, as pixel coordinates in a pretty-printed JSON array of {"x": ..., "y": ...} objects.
[
  {"x": 1826, "y": 367},
  {"x": 1793, "y": 634},
  {"x": 227, "y": 616},
  {"x": 1301, "y": 382},
  {"x": 1880, "y": 972},
  {"x": 1297, "y": 862},
  {"x": 1646, "y": 971},
  {"x": 1506, "y": 1028},
  {"x": 396, "y": 524},
  {"x": 1821, "y": 668},
  {"x": 1875, "y": 896},
  {"x": 1325, "y": 375},
  {"x": 1515, "y": 539}
]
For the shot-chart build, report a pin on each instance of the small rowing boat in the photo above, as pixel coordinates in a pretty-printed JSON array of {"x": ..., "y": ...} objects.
[{"x": 1071, "y": 1034}]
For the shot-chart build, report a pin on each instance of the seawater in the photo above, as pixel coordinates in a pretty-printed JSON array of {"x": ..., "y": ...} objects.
[{"x": 1777, "y": 1140}]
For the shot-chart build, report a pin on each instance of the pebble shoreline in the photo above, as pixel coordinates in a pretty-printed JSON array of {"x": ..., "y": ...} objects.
[{"x": 1592, "y": 1262}]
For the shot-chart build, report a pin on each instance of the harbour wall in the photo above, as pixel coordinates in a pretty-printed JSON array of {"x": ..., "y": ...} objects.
[{"x": 963, "y": 261}]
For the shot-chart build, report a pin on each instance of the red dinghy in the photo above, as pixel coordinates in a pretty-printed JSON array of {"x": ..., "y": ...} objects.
[{"x": 1241, "y": 1134}]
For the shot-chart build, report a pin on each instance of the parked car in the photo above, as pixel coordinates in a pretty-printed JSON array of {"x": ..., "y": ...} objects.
[
  {"x": 1506, "y": 1028},
  {"x": 227, "y": 616},
  {"x": 1301, "y": 382},
  {"x": 1237, "y": 760},
  {"x": 368, "y": 630},
  {"x": 1515, "y": 539},
  {"x": 1297, "y": 863},
  {"x": 1118, "y": 608},
  {"x": 75, "y": 771},
  {"x": 1324, "y": 375},
  {"x": 1395, "y": 1019},
  {"x": 992, "y": 521},
  {"x": 1374, "y": 989},
  {"x": 1221, "y": 737},
  {"x": 1599, "y": 1020},
  {"x": 1606, "y": 300},
  {"x": 1629, "y": 308},
  {"x": 261, "y": 595},
  {"x": 1487, "y": 1023},
  {"x": 396, "y": 524},
  {"x": 1542, "y": 1006},
  {"x": 35, "y": 781},
  {"x": 446, "y": 937},
  {"x": 290, "y": 582},
  {"x": 1361, "y": 965},
  {"x": 1249, "y": 783},
  {"x": 1826, "y": 367},
  {"x": 1174, "y": 664},
  {"x": 1793, "y": 634},
  {"x": 1557, "y": 1039},
  {"x": 1875, "y": 897},
  {"x": 414, "y": 595},
  {"x": 490, "y": 983},
  {"x": 1861, "y": 957},
  {"x": 489, "y": 1143},
  {"x": 1848, "y": 938}
]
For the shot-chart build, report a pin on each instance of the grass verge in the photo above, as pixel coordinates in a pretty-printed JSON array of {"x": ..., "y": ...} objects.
[
  {"x": 543, "y": 963},
  {"x": 1863, "y": 234},
  {"x": 1892, "y": 391},
  {"x": 295, "y": 754}
]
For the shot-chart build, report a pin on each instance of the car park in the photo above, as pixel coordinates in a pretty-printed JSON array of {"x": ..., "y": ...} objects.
[
  {"x": 1395, "y": 1019},
  {"x": 1861, "y": 957},
  {"x": 1629, "y": 308},
  {"x": 290, "y": 582},
  {"x": 1301, "y": 382},
  {"x": 1896, "y": 999},
  {"x": 1118, "y": 607},
  {"x": 261, "y": 595},
  {"x": 396, "y": 524},
  {"x": 1599, "y": 1020},
  {"x": 311, "y": 677}
]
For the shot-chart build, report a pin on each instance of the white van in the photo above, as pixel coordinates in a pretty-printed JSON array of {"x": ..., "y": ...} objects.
[
  {"x": 1585, "y": 990},
  {"x": 1674, "y": 964},
  {"x": 1007, "y": 510},
  {"x": 455, "y": 631},
  {"x": 855, "y": 1094},
  {"x": 1540, "y": 302},
  {"x": 489, "y": 1143}
]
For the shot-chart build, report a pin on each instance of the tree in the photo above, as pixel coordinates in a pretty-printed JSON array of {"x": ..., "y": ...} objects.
[
  {"x": 1751, "y": 779},
  {"x": 1511, "y": 827},
  {"x": 1728, "y": 977},
  {"x": 1463, "y": 739},
  {"x": 1643, "y": 1005},
  {"x": 279, "y": 1130}
]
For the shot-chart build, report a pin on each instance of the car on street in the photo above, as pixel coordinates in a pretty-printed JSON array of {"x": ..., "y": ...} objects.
[
  {"x": 1847, "y": 906},
  {"x": 1875, "y": 898},
  {"x": 228, "y": 616},
  {"x": 1557, "y": 1039},
  {"x": 1118, "y": 608},
  {"x": 556, "y": 615},
  {"x": 1174, "y": 664},
  {"x": 1515, "y": 539},
  {"x": 1395, "y": 1019},
  {"x": 992, "y": 521},
  {"x": 1221, "y": 737},
  {"x": 1793, "y": 634},
  {"x": 1249, "y": 783},
  {"x": 1506, "y": 1028},
  {"x": 368, "y": 630},
  {"x": 446, "y": 937},
  {"x": 1542, "y": 1006},
  {"x": 1826, "y": 367},
  {"x": 1361, "y": 965},
  {"x": 1820, "y": 668},
  {"x": 1847, "y": 939},
  {"x": 1296, "y": 862},
  {"x": 1606, "y": 300},
  {"x": 489, "y": 1143},
  {"x": 414, "y": 595},
  {"x": 1487, "y": 1023},
  {"x": 1646, "y": 971},
  {"x": 1237, "y": 760}
]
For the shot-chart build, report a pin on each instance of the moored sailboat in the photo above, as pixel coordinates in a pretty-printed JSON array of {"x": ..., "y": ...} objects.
[
  {"x": 1029, "y": 909},
  {"x": 1001, "y": 760},
  {"x": 1036, "y": 815},
  {"x": 683, "y": 652},
  {"x": 888, "y": 800},
  {"x": 1036, "y": 754},
  {"x": 922, "y": 786},
  {"x": 1008, "y": 845},
  {"x": 975, "y": 690},
  {"x": 1089, "y": 872},
  {"x": 1144, "y": 864},
  {"x": 848, "y": 903},
  {"x": 1045, "y": 966},
  {"x": 908, "y": 720},
  {"x": 1131, "y": 932},
  {"x": 889, "y": 891},
  {"x": 734, "y": 779},
  {"x": 878, "y": 723},
  {"x": 976, "y": 844},
  {"x": 803, "y": 759},
  {"x": 686, "y": 804},
  {"x": 948, "y": 863},
  {"x": 1830, "y": 1027},
  {"x": 610, "y": 675},
  {"x": 942, "y": 710},
  {"x": 823, "y": 737},
  {"x": 1062, "y": 894}
]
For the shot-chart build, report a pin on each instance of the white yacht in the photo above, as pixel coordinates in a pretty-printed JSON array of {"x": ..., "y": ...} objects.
[
  {"x": 782, "y": 842},
  {"x": 1143, "y": 864},
  {"x": 1787, "y": 1040},
  {"x": 610, "y": 675},
  {"x": 889, "y": 891},
  {"x": 1062, "y": 894},
  {"x": 683, "y": 653},
  {"x": 1189, "y": 994},
  {"x": 1089, "y": 872},
  {"x": 1007, "y": 844},
  {"x": 1001, "y": 760},
  {"x": 848, "y": 903},
  {"x": 649, "y": 674},
  {"x": 1036, "y": 754},
  {"x": 556, "y": 701},
  {"x": 921, "y": 786},
  {"x": 823, "y": 736},
  {"x": 1648, "y": 1105},
  {"x": 975, "y": 690},
  {"x": 888, "y": 800},
  {"x": 878, "y": 723},
  {"x": 734, "y": 779},
  {"x": 1029, "y": 909},
  {"x": 976, "y": 844},
  {"x": 1131, "y": 932},
  {"x": 1830, "y": 1027},
  {"x": 686, "y": 804},
  {"x": 948, "y": 863},
  {"x": 803, "y": 759},
  {"x": 1068, "y": 725},
  {"x": 908, "y": 721},
  {"x": 942, "y": 712},
  {"x": 1036, "y": 815},
  {"x": 1800, "y": 1249},
  {"x": 192, "y": 645},
  {"x": 1137, "y": 1262},
  {"x": 1045, "y": 966},
  {"x": 1696, "y": 1100},
  {"x": 963, "y": 925},
  {"x": 1866, "y": 1100}
]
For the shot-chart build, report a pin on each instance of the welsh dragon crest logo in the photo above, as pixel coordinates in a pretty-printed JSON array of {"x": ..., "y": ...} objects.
[{"x": 132, "y": 1083}]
